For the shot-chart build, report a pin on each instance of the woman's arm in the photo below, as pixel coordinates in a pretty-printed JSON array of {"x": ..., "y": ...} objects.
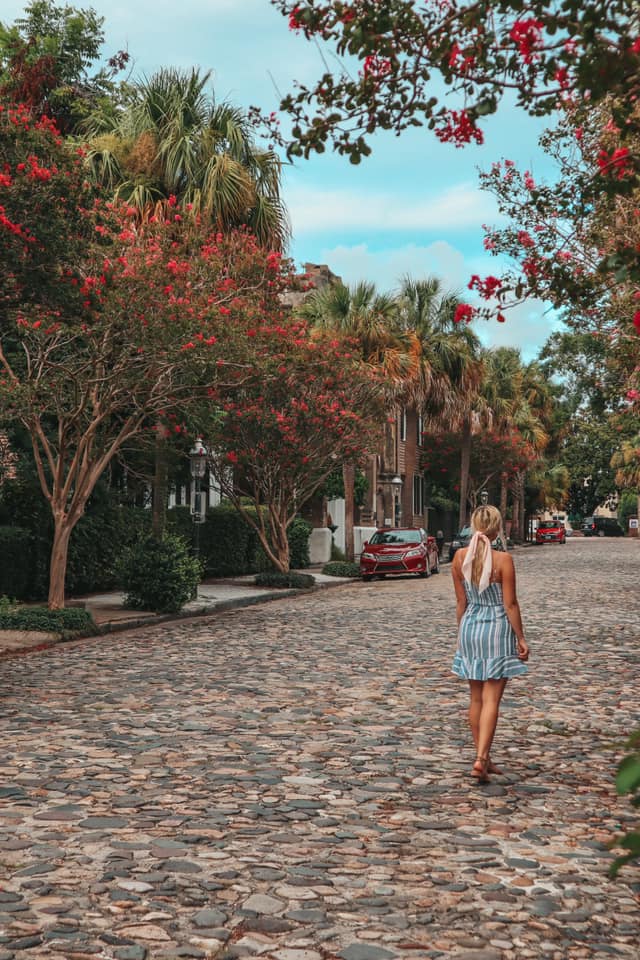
[
  {"x": 456, "y": 573},
  {"x": 511, "y": 605}
]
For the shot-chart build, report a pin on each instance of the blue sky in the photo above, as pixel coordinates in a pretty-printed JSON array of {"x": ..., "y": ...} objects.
[{"x": 413, "y": 207}]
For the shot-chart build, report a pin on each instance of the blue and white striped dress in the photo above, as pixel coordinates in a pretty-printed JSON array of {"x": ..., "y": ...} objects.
[{"x": 487, "y": 645}]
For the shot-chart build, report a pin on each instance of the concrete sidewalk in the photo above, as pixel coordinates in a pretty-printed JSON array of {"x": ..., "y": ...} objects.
[{"x": 214, "y": 596}]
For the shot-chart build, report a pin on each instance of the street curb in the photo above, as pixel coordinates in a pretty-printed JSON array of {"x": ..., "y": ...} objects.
[{"x": 119, "y": 626}]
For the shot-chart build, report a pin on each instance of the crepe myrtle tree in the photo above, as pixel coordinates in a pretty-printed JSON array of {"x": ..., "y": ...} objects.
[
  {"x": 307, "y": 404},
  {"x": 148, "y": 326},
  {"x": 401, "y": 53}
]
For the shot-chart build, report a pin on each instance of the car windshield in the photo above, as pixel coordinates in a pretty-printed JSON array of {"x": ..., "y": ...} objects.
[
  {"x": 548, "y": 525},
  {"x": 396, "y": 536},
  {"x": 465, "y": 532},
  {"x": 588, "y": 520}
]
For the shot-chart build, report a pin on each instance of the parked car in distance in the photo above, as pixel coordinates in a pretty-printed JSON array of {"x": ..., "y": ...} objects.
[
  {"x": 551, "y": 531},
  {"x": 461, "y": 539},
  {"x": 399, "y": 550},
  {"x": 602, "y": 527}
]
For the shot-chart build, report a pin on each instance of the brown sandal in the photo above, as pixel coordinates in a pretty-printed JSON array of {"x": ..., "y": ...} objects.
[{"x": 480, "y": 769}]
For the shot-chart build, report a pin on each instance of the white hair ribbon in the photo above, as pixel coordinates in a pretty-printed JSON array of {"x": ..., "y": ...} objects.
[{"x": 487, "y": 562}]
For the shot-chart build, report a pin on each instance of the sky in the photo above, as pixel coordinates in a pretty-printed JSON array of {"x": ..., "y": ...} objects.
[{"x": 413, "y": 207}]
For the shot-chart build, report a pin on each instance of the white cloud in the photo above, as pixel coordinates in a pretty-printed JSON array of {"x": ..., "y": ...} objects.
[
  {"x": 458, "y": 207},
  {"x": 527, "y": 326}
]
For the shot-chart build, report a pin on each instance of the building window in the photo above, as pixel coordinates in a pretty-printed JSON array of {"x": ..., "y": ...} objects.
[
  {"x": 420, "y": 429},
  {"x": 403, "y": 424},
  {"x": 418, "y": 493}
]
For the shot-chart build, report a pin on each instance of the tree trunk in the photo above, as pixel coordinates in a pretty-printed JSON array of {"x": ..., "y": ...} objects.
[
  {"x": 504, "y": 490},
  {"x": 348, "y": 478},
  {"x": 521, "y": 492},
  {"x": 160, "y": 486},
  {"x": 515, "y": 517},
  {"x": 279, "y": 543},
  {"x": 62, "y": 531},
  {"x": 465, "y": 463}
]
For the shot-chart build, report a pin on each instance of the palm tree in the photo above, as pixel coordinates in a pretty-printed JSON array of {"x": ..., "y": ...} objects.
[
  {"x": 171, "y": 139},
  {"x": 445, "y": 366}
]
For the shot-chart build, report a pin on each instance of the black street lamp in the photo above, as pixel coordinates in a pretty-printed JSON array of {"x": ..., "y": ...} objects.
[{"x": 198, "y": 466}]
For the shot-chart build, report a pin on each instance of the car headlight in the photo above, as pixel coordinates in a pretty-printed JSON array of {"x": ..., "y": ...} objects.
[
  {"x": 416, "y": 552},
  {"x": 368, "y": 556},
  {"x": 456, "y": 544}
]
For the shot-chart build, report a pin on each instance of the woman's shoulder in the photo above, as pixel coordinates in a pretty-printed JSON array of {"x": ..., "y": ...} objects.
[
  {"x": 502, "y": 561},
  {"x": 458, "y": 558}
]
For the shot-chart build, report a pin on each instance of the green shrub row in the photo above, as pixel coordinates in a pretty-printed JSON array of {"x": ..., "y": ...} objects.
[
  {"x": 341, "y": 568},
  {"x": 227, "y": 545},
  {"x": 69, "y": 622},
  {"x": 230, "y": 547},
  {"x": 297, "y": 581}
]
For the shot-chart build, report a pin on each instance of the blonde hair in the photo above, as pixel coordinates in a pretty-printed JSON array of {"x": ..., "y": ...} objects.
[{"x": 487, "y": 520}]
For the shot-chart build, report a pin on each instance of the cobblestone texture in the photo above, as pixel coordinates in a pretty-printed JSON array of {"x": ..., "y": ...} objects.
[{"x": 290, "y": 781}]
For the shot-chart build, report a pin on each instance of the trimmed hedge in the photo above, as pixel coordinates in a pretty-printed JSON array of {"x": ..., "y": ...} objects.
[
  {"x": 341, "y": 568},
  {"x": 15, "y": 569},
  {"x": 298, "y": 581},
  {"x": 230, "y": 547},
  {"x": 70, "y": 622}
]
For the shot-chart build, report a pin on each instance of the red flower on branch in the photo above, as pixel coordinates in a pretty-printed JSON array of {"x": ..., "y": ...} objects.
[
  {"x": 459, "y": 129},
  {"x": 463, "y": 312},
  {"x": 527, "y": 35},
  {"x": 487, "y": 288},
  {"x": 618, "y": 164}
]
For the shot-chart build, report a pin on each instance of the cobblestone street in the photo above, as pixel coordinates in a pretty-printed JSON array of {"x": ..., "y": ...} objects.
[{"x": 291, "y": 780}]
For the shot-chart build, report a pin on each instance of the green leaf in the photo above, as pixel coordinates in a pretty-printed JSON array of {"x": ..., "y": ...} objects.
[{"x": 628, "y": 775}]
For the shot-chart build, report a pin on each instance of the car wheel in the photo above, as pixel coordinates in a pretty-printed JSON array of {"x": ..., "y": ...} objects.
[
  {"x": 601, "y": 533},
  {"x": 367, "y": 577},
  {"x": 436, "y": 568}
]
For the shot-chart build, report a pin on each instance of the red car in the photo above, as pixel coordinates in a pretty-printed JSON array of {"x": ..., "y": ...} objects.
[
  {"x": 398, "y": 550},
  {"x": 551, "y": 531}
]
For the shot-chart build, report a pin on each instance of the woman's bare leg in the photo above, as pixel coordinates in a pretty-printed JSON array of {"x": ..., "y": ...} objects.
[
  {"x": 475, "y": 708},
  {"x": 492, "y": 691}
]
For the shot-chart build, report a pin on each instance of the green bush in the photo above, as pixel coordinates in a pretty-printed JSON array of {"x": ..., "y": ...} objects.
[
  {"x": 628, "y": 782},
  {"x": 337, "y": 553},
  {"x": 15, "y": 569},
  {"x": 160, "y": 575},
  {"x": 72, "y": 621},
  {"x": 298, "y": 536},
  {"x": 628, "y": 507},
  {"x": 298, "y": 581},
  {"x": 341, "y": 568}
]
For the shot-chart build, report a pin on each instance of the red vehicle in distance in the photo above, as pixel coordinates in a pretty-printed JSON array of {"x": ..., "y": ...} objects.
[
  {"x": 393, "y": 551},
  {"x": 551, "y": 531}
]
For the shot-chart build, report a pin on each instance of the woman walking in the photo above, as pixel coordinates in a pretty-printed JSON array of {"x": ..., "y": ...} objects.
[{"x": 491, "y": 643}]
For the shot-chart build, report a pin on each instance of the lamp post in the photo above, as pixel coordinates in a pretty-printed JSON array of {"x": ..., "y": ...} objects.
[
  {"x": 396, "y": 486},
  {"x": 198, "y": 467},
  {"x": 484, "y": 498}
]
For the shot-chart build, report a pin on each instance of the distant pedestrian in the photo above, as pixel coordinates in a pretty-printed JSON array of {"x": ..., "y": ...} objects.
[
  {"x": 491, "y": 643},
  {"x": 439, "y": 542}
]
